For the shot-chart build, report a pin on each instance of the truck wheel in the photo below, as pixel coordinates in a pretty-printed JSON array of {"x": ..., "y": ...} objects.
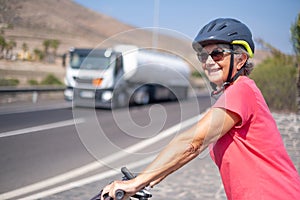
[
  {"x": 120, "y": 100},
  {"x": 142, "y": 96}
]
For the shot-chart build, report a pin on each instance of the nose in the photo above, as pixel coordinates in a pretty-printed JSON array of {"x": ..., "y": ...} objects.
[
  {"x": 210, "y": 60},
  {"x": 209, "y": 63}
]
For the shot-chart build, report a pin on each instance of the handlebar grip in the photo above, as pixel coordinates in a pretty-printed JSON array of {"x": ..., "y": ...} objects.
[
  {"x": 127, "y": 173},
  {"x": 119, "y": 194}
]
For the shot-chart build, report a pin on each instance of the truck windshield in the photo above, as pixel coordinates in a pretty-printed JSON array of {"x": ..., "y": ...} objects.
[{"x": 92, "y": 62}]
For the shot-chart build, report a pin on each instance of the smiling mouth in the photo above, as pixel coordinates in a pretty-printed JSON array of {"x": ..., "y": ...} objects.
[{"x": 214, "y": 70}]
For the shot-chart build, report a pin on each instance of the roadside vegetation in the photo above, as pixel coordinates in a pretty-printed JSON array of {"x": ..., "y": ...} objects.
[
  {"x": 295, "y": 38},
  {"x": 9, "y": 82},
  {"x": 276, "y": 77},
  {"x": 47, "y": 54},
  {"x": 50, "y": 79}
]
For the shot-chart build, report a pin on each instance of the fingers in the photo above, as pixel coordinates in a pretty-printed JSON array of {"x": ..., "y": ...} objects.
[
  {"x": 105, "y": 197},
  {"x": 105, "y": 192},
  {"x": 110, "y": 190}
]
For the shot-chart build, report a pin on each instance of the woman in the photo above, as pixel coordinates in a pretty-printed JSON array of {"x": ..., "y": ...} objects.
[{"x": 245, "y": 142}]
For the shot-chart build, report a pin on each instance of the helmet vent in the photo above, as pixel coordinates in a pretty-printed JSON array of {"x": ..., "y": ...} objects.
[
  {"x": 201, "y": 31},
  {"x": 211, "y": 27},
  {"x": 234, "y": 33},
  {"x": 222, "y": 26}
]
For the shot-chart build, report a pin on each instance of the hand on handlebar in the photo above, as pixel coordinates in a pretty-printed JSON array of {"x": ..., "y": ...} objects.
[
  {"x": 115, "y": 191},
  {"x": 119, "y": 195},
  {"x": 121, "y": 190}
]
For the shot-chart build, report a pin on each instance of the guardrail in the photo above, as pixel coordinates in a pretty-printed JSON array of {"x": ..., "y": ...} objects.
[{"x": 34, "y": 90}]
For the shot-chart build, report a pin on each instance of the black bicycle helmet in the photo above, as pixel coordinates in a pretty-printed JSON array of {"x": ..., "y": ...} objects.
[
  {"x": 229, "y": 31},
  {"x": 225, "y": 30}
]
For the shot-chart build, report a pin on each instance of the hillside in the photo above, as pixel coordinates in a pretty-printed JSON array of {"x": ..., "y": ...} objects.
[
  {"x": 73, "y": 25},
  {"x": 34, "y": 21}
]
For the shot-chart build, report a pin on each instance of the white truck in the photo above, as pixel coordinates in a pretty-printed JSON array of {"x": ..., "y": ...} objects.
[{"x": 123, "y": 75}]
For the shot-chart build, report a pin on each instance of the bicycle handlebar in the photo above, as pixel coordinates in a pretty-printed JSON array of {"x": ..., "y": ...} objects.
[
  {"x": 127, "y": 173},
  {"x": 119, "y": 194}
]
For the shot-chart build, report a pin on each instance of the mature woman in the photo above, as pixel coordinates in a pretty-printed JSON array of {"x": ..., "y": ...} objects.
[{"x": 245, "y": 142}]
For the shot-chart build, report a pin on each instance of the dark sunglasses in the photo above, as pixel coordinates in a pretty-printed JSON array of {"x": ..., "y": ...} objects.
[{"x": 216, "y": 55}]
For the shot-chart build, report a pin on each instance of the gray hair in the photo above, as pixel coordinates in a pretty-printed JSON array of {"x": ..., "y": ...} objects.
[{"x": 248, "y": 66}]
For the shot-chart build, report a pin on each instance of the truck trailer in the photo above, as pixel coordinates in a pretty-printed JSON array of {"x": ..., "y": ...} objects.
[{"x": 124, "y": 75}]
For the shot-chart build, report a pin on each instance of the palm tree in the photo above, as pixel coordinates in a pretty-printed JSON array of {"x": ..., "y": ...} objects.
[
  {"x": 2, "y": 45},
  {"x": 25, "y": 51},
  {"x": 46, "y": 45},
  {"x": 9, "y": 48},
  {"x": 55, "y": 44},
  {"x": 49, "y": 43},
  {"x": 39, "y": 55}
]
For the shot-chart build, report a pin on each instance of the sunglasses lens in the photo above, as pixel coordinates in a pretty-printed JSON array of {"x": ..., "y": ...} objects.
[{"x": 217, "y": 55}]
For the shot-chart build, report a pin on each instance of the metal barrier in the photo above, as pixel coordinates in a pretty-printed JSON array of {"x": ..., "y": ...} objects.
[{"x": 34, "y": 90}]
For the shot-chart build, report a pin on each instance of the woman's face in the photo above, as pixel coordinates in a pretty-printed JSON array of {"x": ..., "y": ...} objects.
[{"x": 217, "y": 69}]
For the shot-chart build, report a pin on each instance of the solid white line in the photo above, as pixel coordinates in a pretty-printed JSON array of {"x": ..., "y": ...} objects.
[
  {"x": 42, "y": 127},
  {"x": 51, "y": 181},
  {"x": 87, "y": 180},
  {"x": 96, "y": 165}
]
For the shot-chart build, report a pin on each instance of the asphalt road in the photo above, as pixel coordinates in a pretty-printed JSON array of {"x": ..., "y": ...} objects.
[{"x": 38, "y": 145}]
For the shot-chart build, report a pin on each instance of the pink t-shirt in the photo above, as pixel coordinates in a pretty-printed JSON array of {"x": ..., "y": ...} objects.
[{"x": 251, "y": 157}]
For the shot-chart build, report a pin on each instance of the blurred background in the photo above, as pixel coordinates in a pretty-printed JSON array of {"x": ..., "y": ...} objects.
[
  {"x": 50, "y": 148},
  {"x": 35, "y": 35}
]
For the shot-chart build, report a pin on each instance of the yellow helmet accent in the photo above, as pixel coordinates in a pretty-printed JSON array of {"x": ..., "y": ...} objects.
[{"x": 246, "y": 45}]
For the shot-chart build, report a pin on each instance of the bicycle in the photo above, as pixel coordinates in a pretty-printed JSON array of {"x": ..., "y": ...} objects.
[{"x": 143, "y": 194}]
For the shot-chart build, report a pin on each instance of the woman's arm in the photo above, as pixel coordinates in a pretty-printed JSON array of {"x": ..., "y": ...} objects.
[{"x": 182, "y": 149}]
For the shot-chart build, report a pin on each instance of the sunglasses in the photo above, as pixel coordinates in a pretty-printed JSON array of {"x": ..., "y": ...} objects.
[{"x": 216, "y": 55}]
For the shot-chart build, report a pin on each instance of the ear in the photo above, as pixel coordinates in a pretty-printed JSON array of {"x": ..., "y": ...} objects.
[{"x": 242, "y": 59}]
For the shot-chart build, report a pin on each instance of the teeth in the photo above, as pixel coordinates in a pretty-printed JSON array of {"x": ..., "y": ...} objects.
[{"x": 214, "y": 70}]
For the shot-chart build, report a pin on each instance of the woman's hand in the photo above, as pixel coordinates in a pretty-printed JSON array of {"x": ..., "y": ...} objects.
[{"x": 127, "y": 186}]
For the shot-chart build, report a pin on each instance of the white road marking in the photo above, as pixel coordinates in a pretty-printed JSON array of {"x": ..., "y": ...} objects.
[
  {"x": 86, "y": 181},
  {"x": 96, "y": 165},
  {"x": 42, "y": 127}
]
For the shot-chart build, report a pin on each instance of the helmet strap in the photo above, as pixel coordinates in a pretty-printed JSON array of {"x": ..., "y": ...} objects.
[
  {"x": 229, "y": 79},
  {"x": 231, "y": 66},
  {"x": 237, "y": 74}
]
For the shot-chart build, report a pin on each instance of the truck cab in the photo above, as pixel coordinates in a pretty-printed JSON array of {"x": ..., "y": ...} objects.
[
  {"x": 90, "y": 74},
  {"x": 122, "y": 75}
]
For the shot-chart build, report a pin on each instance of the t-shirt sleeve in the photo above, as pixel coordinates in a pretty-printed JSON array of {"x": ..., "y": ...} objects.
[{"x": 240, "y": 99}]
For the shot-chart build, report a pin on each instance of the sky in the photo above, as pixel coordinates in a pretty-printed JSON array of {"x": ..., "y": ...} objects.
[{"x": 269, "y": 20}]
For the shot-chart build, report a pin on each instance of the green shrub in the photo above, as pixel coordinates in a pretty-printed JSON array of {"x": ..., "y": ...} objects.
[
  {"x": 9, "y": 82},
  {"x": 276, "y": 78},
  {"x": 197, "y": 74},
  {"x": 33, "y": 82},
  {"x": 51, "y": 80}
]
